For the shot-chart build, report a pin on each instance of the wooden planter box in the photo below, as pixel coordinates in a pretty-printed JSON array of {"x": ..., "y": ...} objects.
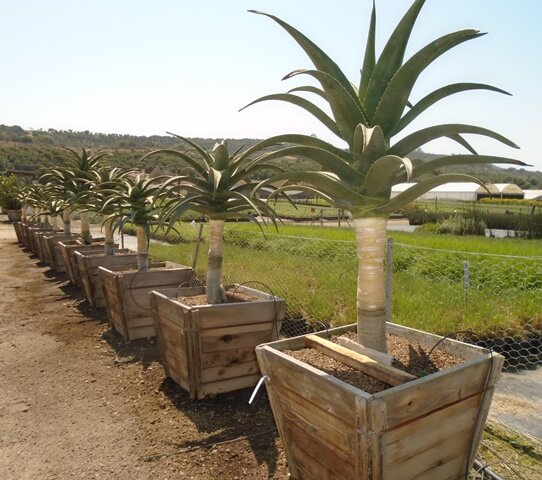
[
  {"x": 127, "y": 297},
  {"x": 420, "y": 430},
  {"x": 49, "y": 249},
  {"x": 18, "y": 226},
  {"x": 31, "y": 238},
  {"x": 87, "y": 265},
  {"x": 67, "y": 249},
  {"x": 210, "y": 349}
]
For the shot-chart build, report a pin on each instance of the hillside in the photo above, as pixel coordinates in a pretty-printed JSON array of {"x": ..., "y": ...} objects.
[{"x": 29, "y": 150}]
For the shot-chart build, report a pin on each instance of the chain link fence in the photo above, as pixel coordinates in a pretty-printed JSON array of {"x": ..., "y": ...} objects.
[{"x": 490, "y": 300}]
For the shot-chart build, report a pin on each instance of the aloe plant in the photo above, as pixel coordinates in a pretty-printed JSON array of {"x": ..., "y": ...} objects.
[
  {"x": 367, "y": 116},
  {"x": 105, "y": 185},
  {"x": 72, "y": 182},
  {"x": 219, "y": 185},
  {"x": 134, "y": 202}
]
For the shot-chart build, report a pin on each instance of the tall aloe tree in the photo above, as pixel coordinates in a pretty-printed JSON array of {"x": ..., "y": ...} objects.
[
  {"x": 218, "y": 186},
  {"x": 368, "y": 116},
  {"x": 72, "y": 183},
  {"x": 134, "y": 201},
  {"x": 106, "y": 184}
]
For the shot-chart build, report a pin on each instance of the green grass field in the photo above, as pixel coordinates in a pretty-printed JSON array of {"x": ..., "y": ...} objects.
[{"x": 314, "y": 269}]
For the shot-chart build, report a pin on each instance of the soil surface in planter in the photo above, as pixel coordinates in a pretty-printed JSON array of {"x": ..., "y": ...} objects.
[
  {"x": 234, "y": 296},
  {"x": 408, "y": 356},
  {"x": 79, "y": 402}
]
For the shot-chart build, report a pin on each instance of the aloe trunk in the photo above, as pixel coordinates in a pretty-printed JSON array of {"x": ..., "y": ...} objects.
[
  {"x": 67, "y": 222},
  {"x": 109, "y": 242},
  {"x": 54, "y": 219},
  {"x": 214, "y": 266},
  {"x": 371, "y": 293},
  {"x": 142, "y": 249},
  {"x": 85, "y": 228}
]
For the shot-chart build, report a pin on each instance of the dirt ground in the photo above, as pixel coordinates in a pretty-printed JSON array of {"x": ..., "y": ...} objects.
[{"x": 78, "y": 402}]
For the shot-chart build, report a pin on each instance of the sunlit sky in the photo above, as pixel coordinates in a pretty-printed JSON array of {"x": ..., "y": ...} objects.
[{"x": 142, "y": 67}]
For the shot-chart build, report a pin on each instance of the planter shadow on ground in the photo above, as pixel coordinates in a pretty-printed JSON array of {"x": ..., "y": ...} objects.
[
  {"x": 228, "y": 417},
  {"x": 142, "y": 350}
]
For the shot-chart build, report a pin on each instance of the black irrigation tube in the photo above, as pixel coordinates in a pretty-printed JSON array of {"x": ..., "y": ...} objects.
[{"x": 480, "y": 467}]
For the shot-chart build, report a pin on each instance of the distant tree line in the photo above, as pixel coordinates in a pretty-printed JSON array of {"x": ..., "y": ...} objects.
[{"x": 34, "y": 149}]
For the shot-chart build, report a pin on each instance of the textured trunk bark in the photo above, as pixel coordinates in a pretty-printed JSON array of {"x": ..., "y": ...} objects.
[
  {"x": 23, "y": 213},
  {"x": 109, "y": 242},
  {"x": 55, "y": 222},
  {"x": 214, "y": 268},
  {"x": 67, "y": 222},
  {"x": 142, "y": 249},
  {"x": 85, "y": 228},
  {"x": 371, "y": 295}
]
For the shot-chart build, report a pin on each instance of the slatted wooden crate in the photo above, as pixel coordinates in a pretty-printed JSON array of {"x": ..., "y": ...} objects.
[
  {"x": 35, "y": 242},
  {"x": 210, "y": 349},
  {"x": 67, "y": 250},
  {"x": 51, "y": 251},
  {"x": 127, "y": 297},
  {"x": 88, "y": 263},
  {"x": 426, "y": 429},
  {"x": 31, "y": 238},
  {"x": 18, "y": 226}
]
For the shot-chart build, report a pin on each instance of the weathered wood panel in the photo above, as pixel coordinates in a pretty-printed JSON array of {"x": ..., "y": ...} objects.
[
  {"x": 422, "y": 429},
  {"x": 219, "y": 342},
  {"x": 67, "y": 250},
  {"x": 127, "y": 296}
]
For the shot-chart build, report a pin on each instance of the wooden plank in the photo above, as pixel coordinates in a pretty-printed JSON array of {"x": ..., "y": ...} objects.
[
  {"x": 296, "y": 343},
  {"x": 312, "y": 468},
  {"x": 227, "y": 357},
  {"x": 320, "y": 452},
  {"x": 335, "y": 396},
  {"x": 274, "y": 400},
  {"x": 229, "y": 385},
  {"x": 317, "y": 421},
  {"x": 229, "y": 342},
  {"x": 496, "y": 362},
  {"x": 141, "y": 332},
  {"x": 440, "y": 438},
  {"x": 237, "y": 313},
  {"x": 368, "y": 352},
  {"x": 385, "y": 373},
  {"x": 224, "y": 372},
  {"x": 406, "y": 402},
  {"x": 236, "y": 330},
  {"x": 167, "y": 278}
]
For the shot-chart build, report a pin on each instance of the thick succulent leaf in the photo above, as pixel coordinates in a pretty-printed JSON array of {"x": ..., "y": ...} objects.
[
  {"x": 303, "y": 103},
  {"x": 438, "y": 95},
  {"x": 370, "y": 57},
  {"x": 380, "y": 176},
  {"x": 459, "y": 139},
  {"x": 424, "y": 186},
  {"x": 193, "y": 163},
  {"x": 318, "y": 57},
  {"x": 329, "y": 161},
  {"x": 395, "y": 97},
  {"x": 346, "y": 107},
  {"x": 424, "y": 167},
  {"x": 421, "y": 137},
  {"x": 308, "y": 89},
  {"x": 391, "y": 58},
  {"x": 326, "y": 182},
  {"x": 313, "y": 191},
  {"x": 305, "y": 140},
  {"x": 221, "y": 156},
  {"x": 374, "y": 147},
  {"x": 204, "y": 154}
]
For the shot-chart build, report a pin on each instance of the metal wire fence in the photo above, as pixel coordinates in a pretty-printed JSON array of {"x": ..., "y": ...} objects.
[{"x": 491, "y": 300}]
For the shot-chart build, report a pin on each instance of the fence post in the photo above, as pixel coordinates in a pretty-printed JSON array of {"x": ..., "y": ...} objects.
[
  {"x": 466, "y": 281},
  {"x": 389, "y": 278}
]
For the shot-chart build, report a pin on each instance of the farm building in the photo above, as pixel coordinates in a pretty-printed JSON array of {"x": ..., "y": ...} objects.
[
  {"x": 533, "y": 194},
  {"x": 465, "y": 191},
  {"x": 509, "y": 190}
]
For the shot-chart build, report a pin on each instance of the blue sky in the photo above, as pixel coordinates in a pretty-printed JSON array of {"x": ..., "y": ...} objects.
[{"x": 141, "y": 67}]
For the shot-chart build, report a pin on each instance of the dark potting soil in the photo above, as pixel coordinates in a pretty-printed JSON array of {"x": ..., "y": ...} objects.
[
  {"x": 408, "y": 356},
  {"x": 234, "y": 296}
]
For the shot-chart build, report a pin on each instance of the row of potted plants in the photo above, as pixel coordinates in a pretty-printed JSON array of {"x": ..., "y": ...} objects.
[{"x": 420, "y": 425}]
